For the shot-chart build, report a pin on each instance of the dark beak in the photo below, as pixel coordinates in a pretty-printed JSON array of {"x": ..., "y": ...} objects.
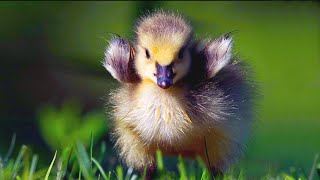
[{"x": 164, "y": 76}]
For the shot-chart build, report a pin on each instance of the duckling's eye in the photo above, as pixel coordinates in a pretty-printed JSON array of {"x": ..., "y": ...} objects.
[
  {"x": 147, "y": 54},
  {"x": 180, "y": 55}
]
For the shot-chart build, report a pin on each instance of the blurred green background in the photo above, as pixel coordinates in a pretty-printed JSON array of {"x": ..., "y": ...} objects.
[{"x": 53, "y": 87}]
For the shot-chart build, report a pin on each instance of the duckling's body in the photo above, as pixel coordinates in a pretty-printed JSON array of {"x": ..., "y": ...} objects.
[{"x": 194, "y": 101}]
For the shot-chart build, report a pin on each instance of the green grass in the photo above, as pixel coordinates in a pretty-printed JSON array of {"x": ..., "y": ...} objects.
[{"x": 77, "y": 162}]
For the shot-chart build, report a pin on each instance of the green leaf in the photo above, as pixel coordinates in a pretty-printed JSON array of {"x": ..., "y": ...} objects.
[
  {"x": 33, "y": 166},
  {"x": 50, "y": 167},
  {"x": 144, "y": 173},
  {"x": 79, "y": 175},
  {"x": 102, "y": 150},
  {"x": 26, "y": 164},
  {"x": 205, "y": 174},
  {"x": 84, "y": 161},
  {"x": 91, "y": 148},
  {"x": 119, "y": 171},
  {"x": 159, "y": 160},
  {"x": 100, "y": 168},
  {"x": 109, "y": 175},
  {"x": 287, "y": 177},
  {"x": 17, "y": 163},
  {"x": 182, "y": 169},
  {"x": 10, "y": 150}
]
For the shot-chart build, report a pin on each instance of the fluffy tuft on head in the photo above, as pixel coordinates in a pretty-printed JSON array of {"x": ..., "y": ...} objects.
[
  {"x": 163, "y": 38},
  {"x": 164, "y": 25}
]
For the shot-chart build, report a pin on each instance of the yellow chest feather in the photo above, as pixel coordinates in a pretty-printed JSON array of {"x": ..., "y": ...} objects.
[{"x": 159, "y": 115}]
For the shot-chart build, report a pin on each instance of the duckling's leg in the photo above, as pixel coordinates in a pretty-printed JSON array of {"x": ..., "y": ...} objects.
[
  {"x": 133, "y": 151},
  {"x": 215, "y": 152}
]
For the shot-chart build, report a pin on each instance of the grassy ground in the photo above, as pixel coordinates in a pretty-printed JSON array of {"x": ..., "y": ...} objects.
[{"x": 77, "y": 162}]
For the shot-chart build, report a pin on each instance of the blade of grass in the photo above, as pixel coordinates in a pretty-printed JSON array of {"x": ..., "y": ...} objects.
[
  {"x": 293, "y": 171},
  {"x": 51, "y": 165},
  {"x": 287, "y": 177},
  {"x": 84, "y": 161},
  {"x": 318, "y": 170},
  {"x": 79, "y": 175},
  {"x": 17, "y": 163},
  {"x": 40, "y": 173},
  {"x": 100, "y": 168},
  {"x": 102, "y": 150},
  {"x": 33, "y": 166},
  {"x": 129, "y": 173},
  {"x": 74, "y": 167},
  {"x": 159, "y": 160},
  {"x": 134, "y": 177},
  {"x": 302, "y": 173},
  {"x": 241, "y": 175},
  {"x": 94, "y": 169},
  {"x": 313, "y": 168},
  {"x": 205, "y": 174},
  {"x": 59, "y": 169},
  {"x": 1, "y": 168},
  {"x": 13, "y": 142},
  {"x": 91, "y": 147},
  {"x": 119, "y": 172},
  {"x": 182, "y": 169},
  {"x": 26, "y": 164},
  {"x": 144, "y": 173},
  {"x": 64, "y": 162}
]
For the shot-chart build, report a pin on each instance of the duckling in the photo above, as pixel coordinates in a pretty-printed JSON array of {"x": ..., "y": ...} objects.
[{"x": 178, "y": 94}]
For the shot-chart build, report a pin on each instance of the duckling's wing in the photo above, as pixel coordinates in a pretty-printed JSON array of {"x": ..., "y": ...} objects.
[
  {"x": 217, "y": 54},
  {"x": 118, "y": 60}
]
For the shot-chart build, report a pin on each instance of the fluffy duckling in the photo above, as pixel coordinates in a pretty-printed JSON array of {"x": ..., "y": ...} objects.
[{"x": 179, "y": 95}]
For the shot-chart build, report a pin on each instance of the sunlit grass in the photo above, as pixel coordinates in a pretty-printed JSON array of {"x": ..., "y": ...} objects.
[{"x": 77, "y": 162}]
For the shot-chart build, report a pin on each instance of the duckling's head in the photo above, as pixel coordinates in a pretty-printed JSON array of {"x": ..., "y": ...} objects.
[{"x": 162, "y": 48}]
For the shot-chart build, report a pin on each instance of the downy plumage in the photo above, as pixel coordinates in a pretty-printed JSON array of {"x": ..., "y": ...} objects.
[{"x": 181, "y": 95}]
